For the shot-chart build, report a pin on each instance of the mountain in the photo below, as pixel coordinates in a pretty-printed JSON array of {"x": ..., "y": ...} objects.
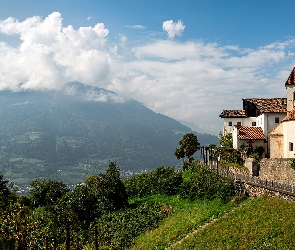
[{"x": 67, "y": 134}]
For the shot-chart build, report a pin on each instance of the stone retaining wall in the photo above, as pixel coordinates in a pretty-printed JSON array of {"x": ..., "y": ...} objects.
[
  {"x": 256, "y": 190},
  {"x": 278, "y": 170}
]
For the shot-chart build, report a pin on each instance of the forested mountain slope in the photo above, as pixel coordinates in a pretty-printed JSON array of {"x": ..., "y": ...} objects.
[{"x": 68, "y": 134}]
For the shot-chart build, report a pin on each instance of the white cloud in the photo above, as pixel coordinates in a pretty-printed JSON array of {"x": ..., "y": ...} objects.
[
  {"x": 195, "y": 81},
  {"x": 50, "y": 54},
  {"x": 123, "y": 39},
  {"x": 173, "y": 29},
  {"x": 192, "y": 80},
  {"x": 136, "y": 26}
]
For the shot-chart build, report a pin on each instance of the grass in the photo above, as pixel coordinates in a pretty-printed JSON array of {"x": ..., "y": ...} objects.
[
  {"x": 187, "y": 216},
  {"x": 262, "y": 223}
]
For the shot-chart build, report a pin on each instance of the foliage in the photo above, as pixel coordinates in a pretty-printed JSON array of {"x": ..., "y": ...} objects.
[
  {"x": 292, "y": 163},
  {"x": 100, "y": 194},
  {"x": 226, "y": 139},
  {"x": 15, "y": 226},
  {"x": 7, "y": 193},
  {"x": 189, "y": 144},
  {"x": 260, "y": 151},
  {"x": 46, "y": 192},
  {"x": 230, "y": 157},
  {"x": 163, "y": 180},
  {"x": 61, "y": 221},
  {"x": 97, "y": 214},
  {"x": 24, "y": 200},
  {"x": 117, "y": 230},
  {"x": 4, "y": 192},
  {"x": 256, "y": 153},
  {"x": 206, "y": 183}
]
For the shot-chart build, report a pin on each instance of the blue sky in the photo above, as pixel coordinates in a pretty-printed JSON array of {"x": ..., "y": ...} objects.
[{"x": 186, "y": 59}]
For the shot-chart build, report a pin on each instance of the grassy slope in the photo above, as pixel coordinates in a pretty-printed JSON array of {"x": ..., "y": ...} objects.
[
  {"x": 263, "y": 223},
  {"x": 187, "y": 216}
]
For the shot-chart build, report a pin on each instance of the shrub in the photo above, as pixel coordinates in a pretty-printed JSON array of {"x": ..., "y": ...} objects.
[
  {"x": 206, "y": 183},
  {"x": 163, "y": 180},
  {"x": 117, "y": 230}
]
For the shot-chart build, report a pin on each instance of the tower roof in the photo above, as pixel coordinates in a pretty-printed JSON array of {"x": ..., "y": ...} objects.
[
  {"x": 291, "y": 78},
  {"x": 290, "y": 116}
]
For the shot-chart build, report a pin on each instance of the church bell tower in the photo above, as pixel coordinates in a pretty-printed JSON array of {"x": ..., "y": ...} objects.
[{"x": 290, "y": 86}]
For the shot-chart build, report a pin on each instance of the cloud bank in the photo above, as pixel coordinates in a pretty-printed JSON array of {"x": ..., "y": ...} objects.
[
  {"x": 187, "y": 80},
  {"x": 50, "y": 54}
]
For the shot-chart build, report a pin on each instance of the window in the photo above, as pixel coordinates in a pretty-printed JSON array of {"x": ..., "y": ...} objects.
[
  {"x": 253, "y": 124},
  {"x": 277, "y": 119},
  {"x": 290, "y": 146},
  {"x": 239, "y": 123},
  {"x": 230, "y": 123}
]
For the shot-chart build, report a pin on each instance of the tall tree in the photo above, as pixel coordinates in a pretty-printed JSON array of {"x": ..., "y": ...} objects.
[
  {"x": 46, "y": 192},
  {"x": 189, "y": 144},
  {"x": 100, "y": 194},
  {"x": 6, "y": 194}
]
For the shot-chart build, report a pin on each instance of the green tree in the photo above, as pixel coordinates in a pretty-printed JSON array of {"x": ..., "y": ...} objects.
[
  {"x": 189, "y": 144},
  {"x": 4, "y": 192},
  {"x": 100, "y": 194},
  {"x": 226, "y": 139},
  {"x": 7, "y": 193},
  {"x": 46, "y": 192},
  {"x": 15, "y": 226}
]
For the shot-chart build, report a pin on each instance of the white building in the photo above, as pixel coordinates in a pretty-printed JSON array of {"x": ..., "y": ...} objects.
[
  {"x": 282, "y": 137},
  {"x": 252, "y": 124}
]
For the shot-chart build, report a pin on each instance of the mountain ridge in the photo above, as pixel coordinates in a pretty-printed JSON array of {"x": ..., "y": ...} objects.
[{"x": 67, "y": 134}]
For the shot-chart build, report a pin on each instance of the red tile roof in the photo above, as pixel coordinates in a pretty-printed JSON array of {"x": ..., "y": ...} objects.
[
  {"x": 269, "y": 105},
  {"x": 232, "y": 113},
  {"x": 290, "y": 116},
  {"x": 250, "y": 133},
  {"x": 291, "y": 78}
]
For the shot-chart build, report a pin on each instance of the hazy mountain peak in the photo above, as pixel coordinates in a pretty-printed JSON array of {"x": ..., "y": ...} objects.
[{"x": 91, "y": 93}]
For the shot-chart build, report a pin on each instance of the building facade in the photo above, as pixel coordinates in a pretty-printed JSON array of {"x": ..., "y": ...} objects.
[{"x": 267, "y": 122}]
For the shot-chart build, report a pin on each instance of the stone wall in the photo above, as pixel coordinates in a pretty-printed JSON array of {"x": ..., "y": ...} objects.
[
  {"x": 277, "y": 169},
  {"x": 256, "y": 190}
]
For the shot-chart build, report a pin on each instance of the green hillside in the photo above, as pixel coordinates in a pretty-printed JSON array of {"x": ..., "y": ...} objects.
[
  {"x": 163, "y": 209},
  {"x": 68, "y": 136},
  {"x": 261, "y": 223}
]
